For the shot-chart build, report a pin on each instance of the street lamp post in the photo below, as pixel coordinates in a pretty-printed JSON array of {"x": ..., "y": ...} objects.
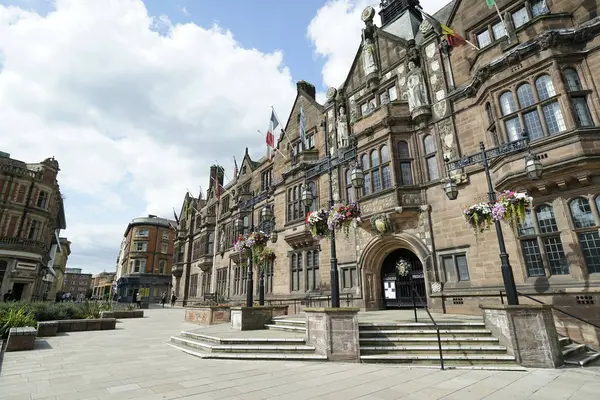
[
  {"x": 357, "y": 177},
  {"x": 240, "y": 228},
  {"x": 533, "y": 169}
]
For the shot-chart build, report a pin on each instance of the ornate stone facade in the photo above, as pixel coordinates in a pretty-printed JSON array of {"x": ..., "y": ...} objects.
[{"x": 539, "y": 77}]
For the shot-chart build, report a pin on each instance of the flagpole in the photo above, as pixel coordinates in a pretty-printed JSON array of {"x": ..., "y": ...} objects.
[
  {"x": 503, "y": 23},
  {"x": 274, "y": 148},
  {"x": 216, "y": 179},
  {"x": 280, "y": 123},
  {"x": 469, "y": 43}
]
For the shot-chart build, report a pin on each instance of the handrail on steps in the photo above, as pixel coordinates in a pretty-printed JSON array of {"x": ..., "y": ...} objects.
[
  {"x": 553, "y": 307},
  {"x": 435, "y": 325}
]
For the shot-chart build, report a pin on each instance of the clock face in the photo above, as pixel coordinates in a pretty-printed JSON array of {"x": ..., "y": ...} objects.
[
  {"x": 368, "y": 14},
  {"x": 331, "y": 93}
]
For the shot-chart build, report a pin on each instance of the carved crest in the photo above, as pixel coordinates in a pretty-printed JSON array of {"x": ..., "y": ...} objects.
[{"x": 381, "y": 224}]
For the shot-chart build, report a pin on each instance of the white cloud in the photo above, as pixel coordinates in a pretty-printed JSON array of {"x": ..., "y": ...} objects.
[
  {"x": 134, "y": 108},
  {"x": 335, "y": 32}
]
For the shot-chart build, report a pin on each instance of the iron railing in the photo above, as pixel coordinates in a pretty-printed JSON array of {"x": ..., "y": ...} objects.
[
  {"x": 568, "y": 314},
  {"x": 435, "y": 325}
]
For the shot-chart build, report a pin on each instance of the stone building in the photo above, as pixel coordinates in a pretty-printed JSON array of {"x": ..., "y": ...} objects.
[
  {"x": 76, "y": 283},
  {"x": 102, "y": 284},
  {"x": 31, "y": 217},
  {"x": 146, "y": 259},
  {"x": 59, "y": 266},
  {"x": 413, "y": 109}
]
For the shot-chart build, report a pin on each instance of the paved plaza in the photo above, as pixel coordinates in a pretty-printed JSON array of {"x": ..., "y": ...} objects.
[{"x": 135, "y": 362}]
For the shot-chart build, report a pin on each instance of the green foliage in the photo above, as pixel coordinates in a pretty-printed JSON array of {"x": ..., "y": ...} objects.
[
  {"x": 131, "y": 306},
  {"x": 15, "y": 317},
  {"x": 55, "y": 311},
  {"x": 92, "y": 309}
]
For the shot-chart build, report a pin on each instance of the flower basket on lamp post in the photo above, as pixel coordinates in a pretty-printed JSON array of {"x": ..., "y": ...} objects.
[
  {"x": 342, "y": 216},
  {"x": 316, "y": 221}
]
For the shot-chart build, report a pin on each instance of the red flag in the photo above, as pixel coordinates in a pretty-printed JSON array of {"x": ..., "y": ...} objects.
[{"x": 273, "y": 123}]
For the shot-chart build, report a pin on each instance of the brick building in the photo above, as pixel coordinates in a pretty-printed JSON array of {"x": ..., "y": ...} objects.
[
  {"x": 31, "y": 217},
  {"x": 102, "y": 284},
  {"x": 409, "y": 102},
  {"x": 146, "y": 258},
  {"x": 76, "y": 283}
]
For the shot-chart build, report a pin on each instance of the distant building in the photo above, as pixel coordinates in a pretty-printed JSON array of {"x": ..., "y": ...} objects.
[
  {"x": 102, "y": 284},
  {"x": 60, "y": 265},
  {"x": 31, "y": 217},
  {"x": 146, "y": 259},
  {"x": 76, "y": 283}
]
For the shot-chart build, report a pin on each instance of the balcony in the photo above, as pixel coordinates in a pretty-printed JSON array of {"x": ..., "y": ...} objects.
[
  {"x": 177, "y": 270},
  {"x": 18, "y": 244},
  {"x": 384, "y": 116},
  {"x": 569, "y": 161}
]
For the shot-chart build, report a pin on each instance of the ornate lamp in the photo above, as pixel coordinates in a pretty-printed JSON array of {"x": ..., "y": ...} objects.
[
  {"x": 451, "y": 189},
  {"x": 307, "y": 196},
  {"x": 273, "y": 236},
  {"x": 357, "y": 177},
  {"x": 533, "y": 167},
  {"x": 239, "y": 226},
  {"x": 267, "y": 213}
]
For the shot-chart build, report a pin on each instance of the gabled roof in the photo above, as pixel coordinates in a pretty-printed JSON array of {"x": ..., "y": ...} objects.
[{"x": 300, "y": 92}]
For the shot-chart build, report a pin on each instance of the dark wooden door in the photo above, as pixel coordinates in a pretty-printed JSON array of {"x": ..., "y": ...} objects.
[{"x": 397, "y": 291}]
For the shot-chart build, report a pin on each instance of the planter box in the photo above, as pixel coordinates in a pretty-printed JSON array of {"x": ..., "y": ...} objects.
[
  {"x": 122, "y": 314},
  {"x": 208, "y": 315},
  {"x": 21, "y": 339},
  {"x": 47, "y": 328},
  {"x": 334, "y": 333},
  {"x": 251, "y": 318},
  {"x": 279, "y": 311},
  {"x": 80, "y": 325}
]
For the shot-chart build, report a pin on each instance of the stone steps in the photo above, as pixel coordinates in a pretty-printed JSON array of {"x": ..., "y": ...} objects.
[
  {"x": 365, "y": 326},
  {"x": 434, "y": 349},
  {"x": 453, "y": 359},
  {"x": 402, "y": 340},
  {"x": 251, "y": 356},
  {"x": 275, "y": 347},
  {"x": 217, "y": 340},
  {"x": 577, "y": 354},
  {"x": 285, "y": 326},
  {"x": 456, "y": 333}
]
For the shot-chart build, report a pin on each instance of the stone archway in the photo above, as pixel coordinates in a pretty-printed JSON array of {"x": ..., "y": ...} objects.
[{"x": 372, "y": 259}]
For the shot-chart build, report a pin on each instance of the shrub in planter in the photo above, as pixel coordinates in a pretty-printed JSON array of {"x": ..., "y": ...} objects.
[{"x": 15, "y": 317}]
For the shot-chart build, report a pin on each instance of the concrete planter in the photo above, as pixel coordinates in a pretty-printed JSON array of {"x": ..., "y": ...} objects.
[
  {"x": 251, "y": 318},
  {"x": 80, "y": 325},
  {"x": 334, "y": 333},
  {"x": 122, "y": 314},
  {"x": 21, "y": 339},
  {"x": 279, "y": 311},
  {"x": 47, "y": 328},
  {"x": 208, "y": 315},
  {"x": 528, "y": 332}
]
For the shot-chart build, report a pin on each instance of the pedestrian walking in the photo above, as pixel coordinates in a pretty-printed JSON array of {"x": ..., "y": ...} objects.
[
  {"x": 138, "y": 299},
  {"x": 163, "y": 299},
  {"x": 173, "y": 299},
  {"x": 8, "y": 296}
]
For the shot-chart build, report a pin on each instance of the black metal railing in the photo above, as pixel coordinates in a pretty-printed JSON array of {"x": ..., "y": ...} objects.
[
  {"x": 568, "y": 314},
  {"x": 435, "y": 325},
  {"x": 309, "y": 302}
]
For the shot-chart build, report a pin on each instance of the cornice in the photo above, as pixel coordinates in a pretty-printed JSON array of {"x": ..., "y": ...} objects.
[{"x": 549, "y": 39}]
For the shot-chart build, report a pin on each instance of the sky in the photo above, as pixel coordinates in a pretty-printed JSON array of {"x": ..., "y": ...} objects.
[{"x": 136, "y": 99}]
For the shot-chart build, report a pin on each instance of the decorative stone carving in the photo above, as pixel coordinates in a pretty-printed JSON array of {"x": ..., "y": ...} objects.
[
  {"x": 446, "y": 135},
  {"x": 342, "y": 129},
  {"x": 436, "y": 287},
  {"x": 417, "y": 92},
  {"x": 425, "y": 27},
  {"x": 385, "y": 99},
  {"x": 381, "y": 224},
  {"x": 430, "y": 50},
  {"x": 353, "y": 110},
  {"x": 435, "y": 65},
  {"x": 368, "y": 56},
  {"x": 221, "y": 240},
  {"x": 439, "y": 109},
  {"x": 548, "y": 40}
]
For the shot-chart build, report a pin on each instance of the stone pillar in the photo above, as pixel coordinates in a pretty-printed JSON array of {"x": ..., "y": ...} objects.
[
  {"x": 334, "y": 332},
  {"x": 528, "y": 332}
]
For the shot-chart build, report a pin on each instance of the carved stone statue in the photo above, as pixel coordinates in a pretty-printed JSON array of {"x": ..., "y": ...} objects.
[
  {"x": 369, "y": 64},
  {"x": 416, "y": 89},
  {"x": 353, "y": 111},
  {"x": 221, "y": 240},
  {"x": 385, "y": 98},
  {"x": 342, "y": 129}
]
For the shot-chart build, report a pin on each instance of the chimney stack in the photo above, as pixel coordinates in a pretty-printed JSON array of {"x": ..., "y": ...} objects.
[{"x": 307, "y": 88}]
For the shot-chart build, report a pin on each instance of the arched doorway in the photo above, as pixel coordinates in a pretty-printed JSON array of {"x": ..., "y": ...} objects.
[{"x": 397, "y": 290}]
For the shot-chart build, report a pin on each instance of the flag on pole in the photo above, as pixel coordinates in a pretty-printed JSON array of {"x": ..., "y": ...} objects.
[
  {"x": 453, "y": 38},
  {"x": 270, "y": 139},
  {"x": 302, "y": 127},
  {"x": 175, "y": 215},
  {"x": 490, "y": 3}
]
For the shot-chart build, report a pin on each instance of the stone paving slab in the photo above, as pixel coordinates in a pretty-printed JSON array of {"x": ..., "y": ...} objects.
[{"x": 135, "y": 362}]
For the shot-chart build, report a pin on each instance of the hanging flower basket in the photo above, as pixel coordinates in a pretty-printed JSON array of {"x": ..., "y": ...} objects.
[
  {"x": 342, "y": 216},
  {"x": 479, "y": 216},
  {"x": 316, "y": 221},
  {"x": 515, "y": 206},
  {"x": 263, "y": 257},
  {"x": 241, "y": 245},
  {"x": 403, "y": 267}
]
